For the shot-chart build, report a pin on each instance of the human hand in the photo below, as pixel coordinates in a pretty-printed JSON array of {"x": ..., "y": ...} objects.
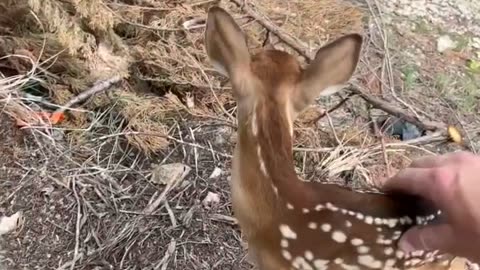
[{"x": 452, "y": 183}]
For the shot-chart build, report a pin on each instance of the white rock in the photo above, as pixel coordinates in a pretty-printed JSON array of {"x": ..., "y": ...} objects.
[
  {"x": 445, "y": 43},
  {"x": 476, "y": 42},
  {"x": 8, "y": 224},
  {"x": 211, "y": 199},
  {"x": 216, "y": 173}
]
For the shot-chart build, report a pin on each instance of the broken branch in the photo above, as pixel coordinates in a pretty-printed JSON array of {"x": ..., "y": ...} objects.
[{"x": 95, "y": 89}]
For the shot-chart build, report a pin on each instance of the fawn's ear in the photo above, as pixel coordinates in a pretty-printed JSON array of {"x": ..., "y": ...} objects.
[
  {"x": 226, "y": 44},
  {"x": 333, "y": 66}
]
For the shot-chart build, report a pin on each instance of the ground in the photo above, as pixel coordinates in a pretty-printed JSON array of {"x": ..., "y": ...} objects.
[{"x": 90, "y": 213}]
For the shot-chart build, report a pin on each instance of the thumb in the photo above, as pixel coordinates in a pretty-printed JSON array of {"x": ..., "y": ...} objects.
[{"x": 431, "y": 237}]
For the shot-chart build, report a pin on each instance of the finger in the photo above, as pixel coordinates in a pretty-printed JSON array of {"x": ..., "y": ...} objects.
[
  {"x": 414, "y": 181},
  {"x": 430, "y": 161},
  {"x": 432, "y": 237}
]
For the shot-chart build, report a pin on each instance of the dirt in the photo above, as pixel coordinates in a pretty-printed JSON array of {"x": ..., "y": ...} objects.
[{"x": 44, "y": 238}]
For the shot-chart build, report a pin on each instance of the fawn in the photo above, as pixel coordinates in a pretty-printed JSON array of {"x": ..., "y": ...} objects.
[{"x": 290, "y": 223}]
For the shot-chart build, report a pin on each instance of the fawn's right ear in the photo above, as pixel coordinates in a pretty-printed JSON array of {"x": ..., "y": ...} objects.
[{"x": 226, "y": 44}]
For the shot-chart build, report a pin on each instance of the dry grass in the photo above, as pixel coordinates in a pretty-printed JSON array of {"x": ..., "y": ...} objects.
[{"x": 80, "y": 43}]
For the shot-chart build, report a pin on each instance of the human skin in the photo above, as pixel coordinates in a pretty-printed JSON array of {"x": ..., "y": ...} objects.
[{"x": 452, "y": 183}]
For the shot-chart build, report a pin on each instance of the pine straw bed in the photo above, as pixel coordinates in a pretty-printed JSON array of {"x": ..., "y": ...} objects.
[{"x": 85, "y": 187}]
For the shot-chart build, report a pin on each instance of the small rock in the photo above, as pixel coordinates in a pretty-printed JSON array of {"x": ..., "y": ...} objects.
[
  {"x": 445, "y": 43},
  {"x": 47, "y": 190},
  {"x": 211, "y": 199},
  {"x": 476, "y": 43},
  {"x": 10, "y": 223},
  {"x": 169, "y": 173},
  {"x": 216, "y": 173}
]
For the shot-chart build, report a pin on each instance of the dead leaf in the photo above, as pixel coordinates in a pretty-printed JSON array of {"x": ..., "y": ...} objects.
[{"x": 169, "y": 173}]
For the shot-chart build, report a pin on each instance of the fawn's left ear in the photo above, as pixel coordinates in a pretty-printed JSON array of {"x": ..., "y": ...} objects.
[
  {"x": 225, "y": 42},
  {"x": 333, "y": 66}
]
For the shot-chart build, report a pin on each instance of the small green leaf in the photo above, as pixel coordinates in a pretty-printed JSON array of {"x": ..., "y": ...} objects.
[{"x": 473, "y": 66}]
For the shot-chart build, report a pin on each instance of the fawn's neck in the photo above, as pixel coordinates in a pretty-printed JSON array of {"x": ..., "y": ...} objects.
[{"x": 265, "y": 150}]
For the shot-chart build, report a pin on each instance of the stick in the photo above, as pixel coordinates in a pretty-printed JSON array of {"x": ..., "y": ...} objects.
[
  {"x": 384, "y": 106},
  {"x": 97, "y": 88},
  {"x": 376, "y": 102}
]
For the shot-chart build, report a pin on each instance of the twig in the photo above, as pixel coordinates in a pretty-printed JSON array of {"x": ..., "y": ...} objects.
[
  {"x": 334, "y": 108},
  {"x": 383, "y": 105},
  {"x": 379, "y": 134},
  {"x": 330, "y": 123},
  {"x": 162, "y": 265},
  {"x": 77, "y": 226},
  {"x": 97, "y": 88}
]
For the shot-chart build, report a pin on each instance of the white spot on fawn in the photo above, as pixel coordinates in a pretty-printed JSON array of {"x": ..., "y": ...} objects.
[
  {"x": 286, "y": 255},
  {"x": 312, "y": 225},
  {"x": 254, "y": 123},
  {"x": 396, "y": 235},
  {"x": 331, "y": 207},
  {"x": 339, "y": 237},
  {"x": 309, "y": 255},
  {"x": 319, "y": 207},
  {"x": 417, "y": 253},
  {"x": 356, "y": 241},
  {"x": 369, "y": 261},
  {"x": 275, "y": 189},
  {"x": 388, "y": 251},
  {"x": 363, "y": 249},
  {"x": 369, "y": 220},
  {"x": 263, "y": 168},
  {"x": 284, "y": 243},
  {"x": 390, "y": 262},
  {"x": 305, "y": 210},
  {"x": 326, "y": 227},
  {"x": 348, "y": 223},
  {"x": 321, "y": 264},
  {"x": 287, "y": 232},
  {"x": 338, "y": 260},
  {"x": 301, "y": 263},
  {"x": 290, "y": 206}
]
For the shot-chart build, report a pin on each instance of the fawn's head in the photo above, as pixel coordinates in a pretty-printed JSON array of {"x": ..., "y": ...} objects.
[{"x": 272, "y": 79}]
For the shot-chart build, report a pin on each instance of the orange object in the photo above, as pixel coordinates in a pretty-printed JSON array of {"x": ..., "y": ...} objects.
[
  {"x": 455, "y": 134},
  {"x": 43, "y": 117}
]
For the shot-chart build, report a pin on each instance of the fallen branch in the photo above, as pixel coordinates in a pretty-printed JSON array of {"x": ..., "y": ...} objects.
[
  {"x": 97, "y": 88},
  {"x": 376, "y": 102},
  {"x": 399, "y": 113}
]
